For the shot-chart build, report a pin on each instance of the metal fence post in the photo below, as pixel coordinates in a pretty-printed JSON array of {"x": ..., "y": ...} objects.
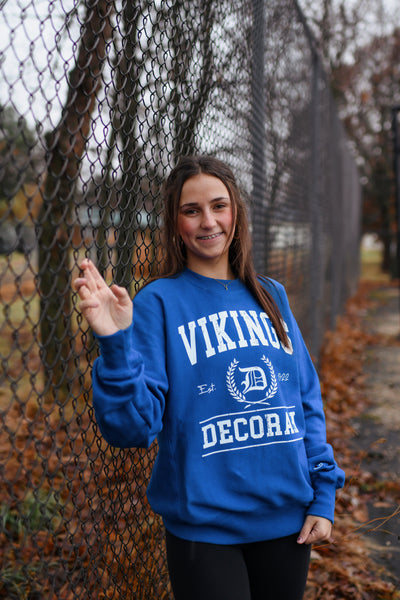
[
  {"x": 396, "y": 161},
  {"x": 257, "y": 130},
  {"x": 315, "y": 258}
]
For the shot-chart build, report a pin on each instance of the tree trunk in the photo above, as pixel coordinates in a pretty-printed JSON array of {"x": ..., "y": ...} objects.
[
  {"x": 65, "y": 148},
  {"x": 128, "y": 77},
  {"x": 188, "y": 116}
]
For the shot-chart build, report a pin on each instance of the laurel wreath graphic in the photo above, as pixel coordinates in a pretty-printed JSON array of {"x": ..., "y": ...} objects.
[
  {"x": 273, "y": 388},
  {"x": 238, "y": 395},
  {"x": 230, "y": 382}
]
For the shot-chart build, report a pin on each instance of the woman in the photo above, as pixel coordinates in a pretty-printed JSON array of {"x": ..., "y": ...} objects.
[{"x": 213, "y": 364}]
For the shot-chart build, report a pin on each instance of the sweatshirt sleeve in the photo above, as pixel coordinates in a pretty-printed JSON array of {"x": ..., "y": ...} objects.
[
  {"x": 325, "y": 474},
  {"x": 130, "y": 380}
]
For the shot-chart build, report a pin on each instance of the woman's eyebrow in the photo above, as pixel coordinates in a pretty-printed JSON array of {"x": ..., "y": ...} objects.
[
  {"x": 217, "y": 199},
  {"x": 188, "y": 204}
]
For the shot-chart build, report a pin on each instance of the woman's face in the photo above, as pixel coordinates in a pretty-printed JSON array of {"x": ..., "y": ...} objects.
[{"x": 205, "y": 224}]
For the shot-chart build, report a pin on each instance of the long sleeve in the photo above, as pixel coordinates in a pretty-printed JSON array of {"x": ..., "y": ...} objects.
[
  {"x": 130, "y": 381},
  {"x": 324, "y": 473}
]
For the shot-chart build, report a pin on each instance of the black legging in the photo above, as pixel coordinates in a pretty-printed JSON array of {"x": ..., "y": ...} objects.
[{"x": 271, "y": 570}]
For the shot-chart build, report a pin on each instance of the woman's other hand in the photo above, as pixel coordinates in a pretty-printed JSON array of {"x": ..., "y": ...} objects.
[
  {"x": 106, "y": 309},
  {"x": 315, "y": 530}
]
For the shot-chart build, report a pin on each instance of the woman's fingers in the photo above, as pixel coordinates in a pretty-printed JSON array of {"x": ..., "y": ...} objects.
[
  {"x": 94, "y": 279},
  {"x": 121, "y": 294},
  {"x": 78, "y": 283},
  {"x": 315, "y": 529},
  {"x": 89, "y": 303},
  {"x": 89, "y": 281}
]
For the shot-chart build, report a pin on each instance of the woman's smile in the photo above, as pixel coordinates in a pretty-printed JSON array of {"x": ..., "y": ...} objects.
[{"x": 210, "y": 237}]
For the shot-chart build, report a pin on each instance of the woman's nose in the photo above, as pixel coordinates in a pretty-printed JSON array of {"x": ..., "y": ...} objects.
[{"x": 208, "y": 219}]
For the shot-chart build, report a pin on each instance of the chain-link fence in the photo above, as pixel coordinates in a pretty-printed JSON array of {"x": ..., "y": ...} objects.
[{"x": 98, "y": 98}]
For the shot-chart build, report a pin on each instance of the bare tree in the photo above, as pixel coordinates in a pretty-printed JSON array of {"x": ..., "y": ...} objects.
[
  {"x": 161, "y": 87},
  {"x": 361, "y": 49},
  {"x": 134, "y": 127},
  {"x": 192, "y": 61},
  {"x": 340, "y": 27},
  {"x": 369, "y": 87},
  {"x": 65, "y": 146}
]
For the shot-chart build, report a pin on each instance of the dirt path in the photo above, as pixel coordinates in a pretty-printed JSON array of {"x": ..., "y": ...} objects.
[{"x": 378, "y": 429}]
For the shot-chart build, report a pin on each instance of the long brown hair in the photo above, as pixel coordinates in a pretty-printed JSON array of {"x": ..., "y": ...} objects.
[{"x": 240, "y": 255}]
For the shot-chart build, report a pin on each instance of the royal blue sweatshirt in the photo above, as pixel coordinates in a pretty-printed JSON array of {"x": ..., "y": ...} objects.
[{"x": 239, "y": 419}]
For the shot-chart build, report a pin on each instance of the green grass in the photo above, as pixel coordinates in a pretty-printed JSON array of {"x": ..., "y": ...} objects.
[{"x": 371, "y": 260}]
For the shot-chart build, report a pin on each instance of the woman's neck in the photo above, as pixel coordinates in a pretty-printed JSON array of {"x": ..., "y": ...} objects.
[{"x": 214, "y": 271}]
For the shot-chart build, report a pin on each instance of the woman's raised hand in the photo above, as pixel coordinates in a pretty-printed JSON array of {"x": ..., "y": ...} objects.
[{"x": 106, "y": 309}]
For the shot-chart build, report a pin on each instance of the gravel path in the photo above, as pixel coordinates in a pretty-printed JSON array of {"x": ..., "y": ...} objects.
[{"x": 378, "y": 429}]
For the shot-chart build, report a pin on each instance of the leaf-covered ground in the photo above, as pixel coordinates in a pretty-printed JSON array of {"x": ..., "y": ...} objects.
[{"x": 344, "y": 568}]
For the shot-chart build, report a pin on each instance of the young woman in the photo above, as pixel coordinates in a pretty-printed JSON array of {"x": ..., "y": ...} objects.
[{"x": 213, "y": 364}]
